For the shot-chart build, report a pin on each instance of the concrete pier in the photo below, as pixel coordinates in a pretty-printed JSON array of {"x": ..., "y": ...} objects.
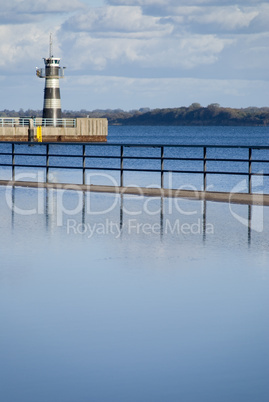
[{"x": 85, "y": 130}]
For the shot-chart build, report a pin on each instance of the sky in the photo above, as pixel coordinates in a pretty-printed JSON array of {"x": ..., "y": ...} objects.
[{"x": 131, "y": 54}]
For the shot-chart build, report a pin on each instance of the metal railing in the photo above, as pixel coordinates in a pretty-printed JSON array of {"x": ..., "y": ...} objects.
[
  {"x": 122, "y": 157},
  {"x": 71, "y": 123},
  {"x": 14, "y": 122},
  {"x": 37, "y": 121},
  {"x": 41, "y": 73}
]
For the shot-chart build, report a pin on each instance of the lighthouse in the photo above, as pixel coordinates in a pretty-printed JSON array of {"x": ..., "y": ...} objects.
[{"x": 52, "y": 99}]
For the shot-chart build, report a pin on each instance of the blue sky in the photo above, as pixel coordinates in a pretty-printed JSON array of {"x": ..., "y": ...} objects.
[{"x": 137, "y": 53}]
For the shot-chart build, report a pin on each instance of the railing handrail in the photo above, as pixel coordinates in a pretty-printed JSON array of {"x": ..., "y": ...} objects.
[
  {"x": 37, "y": 121},
  {"x": 134, "y": 145},
  {"x": 47, "y": 122},
  {"x": 121, "y": 157}
]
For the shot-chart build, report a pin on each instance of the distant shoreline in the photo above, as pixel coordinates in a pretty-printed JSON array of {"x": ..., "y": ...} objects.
[
  {"x": 125, "y": 124},
  {"x": 193, "y": 115}
]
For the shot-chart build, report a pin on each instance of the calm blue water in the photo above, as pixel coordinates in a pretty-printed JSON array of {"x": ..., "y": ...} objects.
[
  {"x": 108, "y": 298},
  {"x": 104, "y": 298},
  {"x": 254, "y": 136},
  {"x": 189, "y": 135}
]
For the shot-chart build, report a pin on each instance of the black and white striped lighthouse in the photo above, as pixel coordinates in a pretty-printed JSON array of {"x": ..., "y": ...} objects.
[{"x": 52, "y": 99}]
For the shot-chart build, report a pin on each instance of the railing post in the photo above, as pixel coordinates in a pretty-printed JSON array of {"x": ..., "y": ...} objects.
[
  {"x": 162, "y": 155},
  {"x": 121, "y": 166},
  {"x": 204, "y": 170},
  {"x": 249, "y": 223},
  {"x": 249, "y": 170},
  {"x": 83, "y": 164},
  {"x": 13, "y": 162},
  {"x": 204, "y": 220},
  {"x": 47, "y": 163}
]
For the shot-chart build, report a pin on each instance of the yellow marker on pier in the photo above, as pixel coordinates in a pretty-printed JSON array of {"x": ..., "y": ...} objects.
[{"x": 39, "y": 134}]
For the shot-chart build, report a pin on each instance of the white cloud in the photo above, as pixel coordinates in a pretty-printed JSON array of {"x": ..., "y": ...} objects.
[
  {"x": 123, "y": 35},
  {"x": 21, "y": 45},
  {"x": 197, "y": 40},
  {"x": 210, "y": 15},
  {"x": 21, "y": 11},
  {"x": 40, "y": 6},
  {"x": 118, "y": 20},
  {"x": 96, "y": 91},
  {"x": 131, "y": 93},
  {"x": 260, "y": 23},
  {"x": 228, "y": 18},
  {"x": 138, "y": 2},
  {"x": 182, "y": 2},
  {"x": 168, "y": 53},
  {"x": 25, "y": 47}
]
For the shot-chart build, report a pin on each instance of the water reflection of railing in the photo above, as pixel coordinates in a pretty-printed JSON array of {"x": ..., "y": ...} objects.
[
  {"x": 83, "y": 217},
  {"x": 157, "y": 158}
]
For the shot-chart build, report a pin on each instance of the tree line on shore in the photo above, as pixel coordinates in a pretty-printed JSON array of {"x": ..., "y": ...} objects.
[{"x": 193, "y": 115}]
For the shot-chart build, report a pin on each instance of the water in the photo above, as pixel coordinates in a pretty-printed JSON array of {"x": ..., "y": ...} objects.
[
  {"x": 110, "y": 298},
  {"x": 246, "y": 136},
  {"x": 189, "y": 135},
  {"x": 253, "y": 136}
]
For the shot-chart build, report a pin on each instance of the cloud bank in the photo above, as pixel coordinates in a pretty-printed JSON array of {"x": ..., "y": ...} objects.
[{"x": 154, "y": 40}]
